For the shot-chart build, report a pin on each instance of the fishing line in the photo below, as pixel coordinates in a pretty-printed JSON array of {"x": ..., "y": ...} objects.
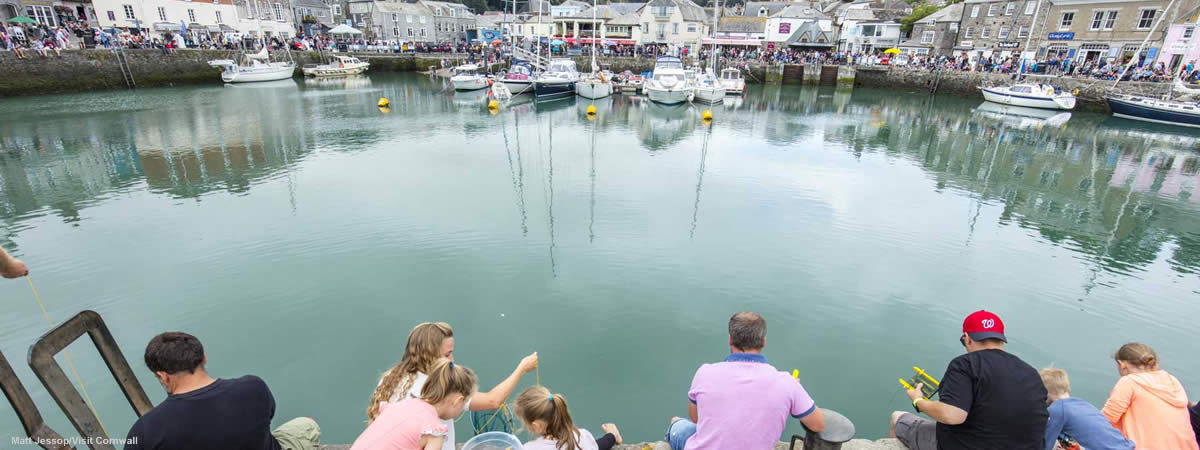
[{"x": 67, "y": 356}]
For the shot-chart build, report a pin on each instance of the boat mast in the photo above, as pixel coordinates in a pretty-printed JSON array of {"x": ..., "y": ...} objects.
[
  {"x": 1029, "y": 38},
  {"x": 595, "y": 68},
  {"x": 1138, "y": 54},
  {"x": 716, "y": 20}
]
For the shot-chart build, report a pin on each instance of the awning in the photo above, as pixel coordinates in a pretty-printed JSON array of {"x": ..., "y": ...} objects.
[
  {"x": 167, "y": 26},
  {"x": 754, "y": 42},
  {"x": 607, "y": 41},
  {"x": 213, "y": 28},
  {"x": 811, "y": 44},
  {"x": 227, "y": 28}
]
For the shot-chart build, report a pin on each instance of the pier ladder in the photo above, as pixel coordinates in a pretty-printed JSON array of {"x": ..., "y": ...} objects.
[{"x": 126, "y": 73}]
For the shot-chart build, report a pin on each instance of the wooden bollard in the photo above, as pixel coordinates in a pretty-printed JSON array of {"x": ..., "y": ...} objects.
[{"x": 838, "y": 430}]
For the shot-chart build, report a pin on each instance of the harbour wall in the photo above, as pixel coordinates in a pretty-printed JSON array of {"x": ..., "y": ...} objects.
[{"x": 853, "y": 444}]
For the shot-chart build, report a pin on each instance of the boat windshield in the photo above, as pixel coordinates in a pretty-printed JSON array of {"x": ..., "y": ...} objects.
[
  {"x": 568, "y": 66},
  {"x": 668, "y": 64},
  {"x": 522, "y": 70}
]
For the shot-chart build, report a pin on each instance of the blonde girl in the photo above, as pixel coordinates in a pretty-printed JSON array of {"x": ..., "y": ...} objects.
[
  {"x": 428, "y": 343},
  {"x": 417, "y": 423},
  {"x": 1149, "y": 405},
  {"x": 545, "y": 415}
]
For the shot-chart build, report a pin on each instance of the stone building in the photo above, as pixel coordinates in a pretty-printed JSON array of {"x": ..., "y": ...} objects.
[
  {"x": 935, "y": 34},
  {"x": 451, "y": 21},
  {"x": 1182, "y": 46},
  {"x": 999, "y": 27},
  {"x": 1090, "y": 31},
  {"x": 676, "y": 22},
  {"x": 312, "y": 17},
  {"x": 401, "y": 22}
]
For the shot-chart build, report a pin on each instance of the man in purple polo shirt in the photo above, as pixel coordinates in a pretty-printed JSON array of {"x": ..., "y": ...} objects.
[{"x": 742, "y": 402}]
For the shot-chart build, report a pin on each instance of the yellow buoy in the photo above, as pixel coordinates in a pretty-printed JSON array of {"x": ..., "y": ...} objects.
[
  {"x": 383, "y": 102},
  {"x": 384, "y": 109},
  {"x": 493, "y": 104},
  {"x": 591, "y": 110},
  {"x": 706, "y": 115}
]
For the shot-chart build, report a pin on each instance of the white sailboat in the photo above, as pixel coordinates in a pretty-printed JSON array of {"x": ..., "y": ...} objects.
[
  {"x": 1029, "y": 95},
  {"x": 1163, "y": 110},
  {"x": 339, "y": 66},
  {"x": 467, "y": 78},
  {"x": 594, "y": 85},
  {"x": 708, "y": 88},
  {"x": 251, "y": 67}
]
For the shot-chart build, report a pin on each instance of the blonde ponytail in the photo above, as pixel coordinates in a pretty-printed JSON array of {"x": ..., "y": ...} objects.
[
  {"x": 538, "y": 403},
  {"x": 446, "y": 379}
]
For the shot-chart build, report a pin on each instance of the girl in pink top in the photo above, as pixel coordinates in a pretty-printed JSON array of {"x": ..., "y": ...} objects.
[
  {"x": 1149, "y": 405},
  {"x": 416, "y": 423},
  {"x": 545, "y": 415}
]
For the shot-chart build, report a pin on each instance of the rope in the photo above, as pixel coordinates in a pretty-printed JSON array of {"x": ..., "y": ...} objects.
[{"x": 67, "y": 356}]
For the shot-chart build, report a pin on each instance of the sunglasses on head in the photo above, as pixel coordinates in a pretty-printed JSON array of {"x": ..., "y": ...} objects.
[{"x": 962, "y": 340}]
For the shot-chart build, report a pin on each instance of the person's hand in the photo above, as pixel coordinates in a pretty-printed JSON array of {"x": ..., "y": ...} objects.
[
  {"x": 13, "y": 268},
  {"x": 915, "y": 393},
  {"x": 528, "y": 363}
]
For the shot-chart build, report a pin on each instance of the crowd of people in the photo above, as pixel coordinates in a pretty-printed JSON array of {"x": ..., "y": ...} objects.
[{"x": 988, "y": 398}]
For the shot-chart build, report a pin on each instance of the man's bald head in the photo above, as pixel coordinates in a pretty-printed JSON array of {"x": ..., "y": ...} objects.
[{"x": 747, "y": 331}]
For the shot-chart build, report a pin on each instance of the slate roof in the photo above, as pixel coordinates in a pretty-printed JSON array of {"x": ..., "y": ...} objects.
[
  {"x": 752, "y": 8},
  {"x": 415, "y": 9},
  {"x": 811, "y": 34},
  {"x": 952, "y": 13},
  {"x": 690, "y": 11},
  {"x": 800, "y": 12},
  {"x": 741, "y": 24}
]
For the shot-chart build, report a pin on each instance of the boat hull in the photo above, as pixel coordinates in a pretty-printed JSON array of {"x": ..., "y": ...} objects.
[
  {"x": 705, "y": 94},
  {"x": 668, "y": 96},
  {"x": 252, "y": 75},
  {"x": 734, "y": 88},
  {"x": 1141, "y": 109},
  {"x": 593, "y": 90},
  {"x": 1028, "y": 101},
  {"x": 468, "y": 83},
  {"x": 553, "y": 89},
  {"x": 334, "y": 72},
  {"x": 518, "y": 86}
]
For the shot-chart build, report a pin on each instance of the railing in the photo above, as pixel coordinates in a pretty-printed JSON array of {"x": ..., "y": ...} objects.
[
  {"x": 31, "y": 419},
  {"x": 41, "y": 360}
]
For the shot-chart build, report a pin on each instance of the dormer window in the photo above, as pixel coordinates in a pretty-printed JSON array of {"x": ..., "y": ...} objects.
[
  {"x": 437, "y": 12},
  {"x": 452, "y": 12},
  {"x": 762, "y": 12}
]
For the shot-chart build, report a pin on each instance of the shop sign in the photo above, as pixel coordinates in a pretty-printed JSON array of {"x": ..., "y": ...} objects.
[
  {"x": 1061, "y": 36},
  {"x": 1008, "y": 45}
]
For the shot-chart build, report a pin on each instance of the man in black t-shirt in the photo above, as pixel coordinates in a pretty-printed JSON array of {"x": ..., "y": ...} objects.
[
  {"x": 988, "y": 398},
  {"x": 205, "y": 413}
]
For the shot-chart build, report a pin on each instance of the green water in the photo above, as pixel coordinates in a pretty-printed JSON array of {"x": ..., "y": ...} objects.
[{"x": 300, "y": 232}]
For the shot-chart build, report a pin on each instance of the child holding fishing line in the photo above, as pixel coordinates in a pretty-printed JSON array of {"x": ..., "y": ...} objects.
[{"x": 545, "y": 415}]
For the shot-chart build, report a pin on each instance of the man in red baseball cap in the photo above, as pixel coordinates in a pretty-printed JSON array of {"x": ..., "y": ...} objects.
[{"x": 988, "y": 398}]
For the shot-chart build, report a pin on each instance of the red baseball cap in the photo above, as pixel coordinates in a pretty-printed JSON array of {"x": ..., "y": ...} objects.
[{"x": 982, "y": 325}]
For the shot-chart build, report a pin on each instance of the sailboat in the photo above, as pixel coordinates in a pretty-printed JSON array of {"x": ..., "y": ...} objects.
[
  {"x": 1158, "y": 110},
  {"x": 594, "y": 85},
  {"x": 251, "y": 67},
  {"x": 708, "y": 88}
]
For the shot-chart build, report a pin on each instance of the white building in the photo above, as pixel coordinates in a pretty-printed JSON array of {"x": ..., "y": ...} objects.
[
  {"x": 568, "y": 8},
  {"x": 784, "y": 24},
  {"x": 677, "y": 22},
  {"x": 170, "y": 16},
  {"x": 872, "y": 37}
]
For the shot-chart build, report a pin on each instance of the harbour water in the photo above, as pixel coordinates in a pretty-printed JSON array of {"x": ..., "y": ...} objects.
[{"x": 300, "y": 232}]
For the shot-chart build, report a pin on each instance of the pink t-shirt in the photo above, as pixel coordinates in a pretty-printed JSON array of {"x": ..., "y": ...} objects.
[
  {"x": 744, "y": 403},
  {"x": 400, "y": 426}
]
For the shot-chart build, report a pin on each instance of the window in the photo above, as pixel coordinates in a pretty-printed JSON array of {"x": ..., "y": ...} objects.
[
  {"x": 993, "y": 9},
  {"x": 410, "y": 32},
  {"x": 975, "y": 11},
  {"x": 452, "y": 11},
  {"x": 395, "y": 32},
  {"x": 43, "y": 14},
  {"x": 422, "y": 19},
  {"x": 1147, "y": 19},
  {"x": 395, "y": 17},
  {"x": 1097, "y": 20},
  {"x": 520, "y": 29},
  {"x": 1029, "y": 6},
  {"x": 970, "y": 33},
  {"x": 278, "y": 11},
  {"x": 112, "y": 16},
  {"x": 337, "y": 9},
  {"x": 1010, "y": 9},
  {"x": 437, "y": 12},
  {"x": 762, "y": 12},
  {"x": 1023, "y": 32},
  {"x": 162, "y": 14},
  {"x": 1004, "y": 31},
  {"x": 192, "y": 16},
  {"x": 985, "y": 33},
  {"x": 1067, "y": 19},
  {"x": 662, "y": 29},
  {"x": 674, "y": 28},
  {"x": 1022, "y": 89},
  {"x": 129, "y": 12},
  {"x": 408, "y": 18},
  {"x": 927, "y": 37},
  {"x": 1111, "y": 20},
  {"x": 645, "y": 27},
  {"x": 462, "y": 28},
  {"x": 422, "y": 32},
  {"x": 1189, "y": 32},
  {"x": 662, "y": 11},
  {"x": 219, "y": 17}
]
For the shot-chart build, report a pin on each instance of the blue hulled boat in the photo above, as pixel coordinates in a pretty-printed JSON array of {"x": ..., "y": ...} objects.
[{"x": 1153, "y": 110}]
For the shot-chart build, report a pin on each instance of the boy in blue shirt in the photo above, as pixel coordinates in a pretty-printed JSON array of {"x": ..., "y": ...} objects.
[{"x": 1077, "y": 419}]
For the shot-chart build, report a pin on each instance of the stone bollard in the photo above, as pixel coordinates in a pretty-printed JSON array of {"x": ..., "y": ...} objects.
[{"x": 838, "y": 430}]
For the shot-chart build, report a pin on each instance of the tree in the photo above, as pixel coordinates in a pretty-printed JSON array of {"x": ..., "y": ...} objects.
[{"x": 906, "y": 24}]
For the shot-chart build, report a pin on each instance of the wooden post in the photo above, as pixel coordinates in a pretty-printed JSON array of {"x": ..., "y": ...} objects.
[{"x": 838, "y": 430}]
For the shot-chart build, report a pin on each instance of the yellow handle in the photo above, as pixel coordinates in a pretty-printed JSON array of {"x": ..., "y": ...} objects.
[
  {"x": 796, "y": 374},
  {"x": 905, "y": 384},
  {"x": 926, "y": 375}
]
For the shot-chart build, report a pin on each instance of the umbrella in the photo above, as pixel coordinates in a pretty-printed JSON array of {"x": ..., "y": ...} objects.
[
  {"x": 892, "y": 51},
  {"x": 496, "y": 42},
  {"x": 557, "y": 42},
  {"x": 609, "y": 43},
  {"x": 21, "y": 19}
]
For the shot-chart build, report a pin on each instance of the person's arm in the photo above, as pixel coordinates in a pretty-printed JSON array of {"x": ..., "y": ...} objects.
[
  {"x": 955, "y": 395},
  {"x": 492, "y": 399},
  {"x": 11, "y": 267},
  {"x": 814, "y": 421},
  {"x": 693, "y": 412},
  {"x": 1054, "y": 427},
  {"x": 432, "y": 442},
  {"x": 1118, "y": 401},
  {"x": 804, "y": 408}
]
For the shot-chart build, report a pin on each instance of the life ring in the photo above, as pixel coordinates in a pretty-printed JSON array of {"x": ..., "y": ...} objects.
[
  {"x": 1049, "y": 91},
  {"x": 1075, "y": 92}
]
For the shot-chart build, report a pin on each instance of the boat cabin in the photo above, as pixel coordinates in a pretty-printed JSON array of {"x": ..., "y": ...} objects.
[{"x": 731, "y": 73}]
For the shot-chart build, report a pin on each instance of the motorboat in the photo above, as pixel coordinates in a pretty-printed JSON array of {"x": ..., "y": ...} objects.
[
  {"x": 628, "y": 82},
  {"x": 670, "y": 84},
  {"x": 339, "y": 66},
  {"x": 518, "y": 79},
  {"x": 558, "y": 80},
  {"x": 1171, "y": 112},
  {"x": 467, "y": 78},
  {"x": 1030, "y": 95},
  {"x": 708, "y": 88},
  {"x": 732, "y": 81},
  {"x": 253, "y": 67}
]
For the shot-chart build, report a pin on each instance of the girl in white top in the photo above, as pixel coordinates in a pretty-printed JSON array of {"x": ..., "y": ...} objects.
[
  {"x": 427, "y": 343},
  {"x": 545, "y": 414}
]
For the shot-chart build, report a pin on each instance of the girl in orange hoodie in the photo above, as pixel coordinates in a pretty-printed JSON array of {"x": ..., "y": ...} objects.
[{"x": 1148, "y": 404}]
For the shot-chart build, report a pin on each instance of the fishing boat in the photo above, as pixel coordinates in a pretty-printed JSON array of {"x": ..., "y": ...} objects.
[
  {"x": 708, "y": 88},
  {"x": 518, "y": 79},
  {"x": 670, "y": 84},
  {"x": 467, "y": 78},
  {"x": 595, "y": 84},
  {"x": 339, "y": 66},
  {"x": 732, "y": 81},
  {"x": 1029, "y": 95},
  {"x": 253, "y": 67},
  {"x": 557, "y": 81}
]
